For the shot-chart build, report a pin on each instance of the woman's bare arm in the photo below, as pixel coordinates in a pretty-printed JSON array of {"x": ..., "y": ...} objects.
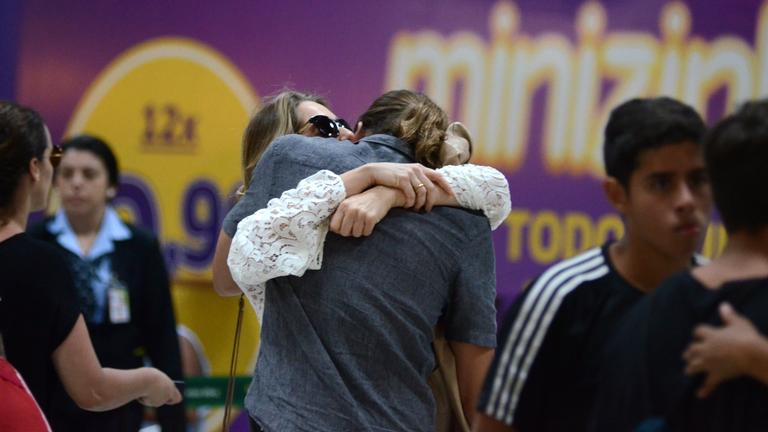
[
  {"x": 223, "y": 283},
  {"x": 472, "y": 363},
  {"x": 95, "y": 388}
]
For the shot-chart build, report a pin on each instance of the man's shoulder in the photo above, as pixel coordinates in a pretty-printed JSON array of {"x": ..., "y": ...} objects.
[
  {"x": 301, "y": 155},
  {"x": 584, "y": 269},
  {"x": 291, "y": 140},
  {"x": 572, "y": 287},
  {"x": 300, "y": 147},
  {"x": 453, "y": 226},
  {"x": 289, "y": 147},
  {"x": 679, "y": 289},
  {"x": 473, "y": 220}
]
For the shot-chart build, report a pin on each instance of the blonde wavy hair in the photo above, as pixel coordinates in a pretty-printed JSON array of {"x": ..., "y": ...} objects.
[
  {"x": 412, "y": 117},
  {"x": 277, "y": 117}
]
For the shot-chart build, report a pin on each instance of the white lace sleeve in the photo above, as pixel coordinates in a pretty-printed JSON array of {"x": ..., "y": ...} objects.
[
  {"x": 286, "y": 238},
  {"x": 480, "y": 188}
]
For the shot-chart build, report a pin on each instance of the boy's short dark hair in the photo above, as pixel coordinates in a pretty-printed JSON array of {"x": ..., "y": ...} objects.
[
  {"x": 736, "y": 153},
  {"x": 643, "y": 124}
]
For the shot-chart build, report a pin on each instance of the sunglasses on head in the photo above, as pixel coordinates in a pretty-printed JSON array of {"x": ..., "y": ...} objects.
[
  {"x": 327, "y": 127},
  {"x": 56, "y": 154}
]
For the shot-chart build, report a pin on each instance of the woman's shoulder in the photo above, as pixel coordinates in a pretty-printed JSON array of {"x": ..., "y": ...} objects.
[
  {"x": 28, "y": 244},
  {"x": 29, "y": 251}
]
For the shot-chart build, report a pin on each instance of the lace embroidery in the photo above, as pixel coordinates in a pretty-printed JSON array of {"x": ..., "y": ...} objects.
[
  {"x": 286, "y": 238},
  {"x": 480, "y": 188}
]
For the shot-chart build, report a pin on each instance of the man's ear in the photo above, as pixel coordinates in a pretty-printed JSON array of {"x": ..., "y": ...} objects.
[
  {"x": 359, "y": 133},
  {"x": 34, "y": 169},
  {"x": 616, "y": 194}
]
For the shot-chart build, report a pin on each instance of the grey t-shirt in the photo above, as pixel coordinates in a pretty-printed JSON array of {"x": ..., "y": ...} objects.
[{"x": 347, "y": 347}]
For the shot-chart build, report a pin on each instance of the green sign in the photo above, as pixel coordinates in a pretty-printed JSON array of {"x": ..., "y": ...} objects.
[{"x": 212, "y": 391}]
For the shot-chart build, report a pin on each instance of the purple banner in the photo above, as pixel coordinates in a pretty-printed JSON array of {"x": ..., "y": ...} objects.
[{"x": 9, "y": 45}]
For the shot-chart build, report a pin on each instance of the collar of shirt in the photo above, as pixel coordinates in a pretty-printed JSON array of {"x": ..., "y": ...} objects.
[
  {"x": 112, "y": 229},
  {"x": 392, "y": 142}
]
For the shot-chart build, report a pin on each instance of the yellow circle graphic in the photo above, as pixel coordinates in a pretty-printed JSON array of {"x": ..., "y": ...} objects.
[{"x": 174, "y": 111}]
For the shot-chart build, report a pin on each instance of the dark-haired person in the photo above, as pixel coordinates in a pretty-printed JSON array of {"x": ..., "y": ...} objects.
[
  {"x": 544, "y": 376},
  {"x": 650, "y": 348},
  {"x": 360, "y": 328},
  {"x": 121, "y": 281},
  {"x": 44, "y": 333}
]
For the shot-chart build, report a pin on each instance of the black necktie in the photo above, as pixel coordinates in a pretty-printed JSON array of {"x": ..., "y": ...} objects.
[{"x": 85, "y": 273}]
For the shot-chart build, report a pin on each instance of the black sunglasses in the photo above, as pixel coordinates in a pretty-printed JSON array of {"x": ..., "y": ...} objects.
[
  {"x": 327, "y": 127},
  {"x": 56, "y": 154}
]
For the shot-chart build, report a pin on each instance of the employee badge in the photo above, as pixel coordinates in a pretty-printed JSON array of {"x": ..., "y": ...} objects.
[{"x": 119, "y": 302}]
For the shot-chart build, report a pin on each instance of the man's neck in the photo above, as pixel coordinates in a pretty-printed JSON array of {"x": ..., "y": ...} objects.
[
  {"x": 642, "y": 265},
  {"x": 745, "y": 257}
]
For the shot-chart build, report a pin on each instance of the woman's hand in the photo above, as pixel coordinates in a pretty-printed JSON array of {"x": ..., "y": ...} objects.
[
  {"x": 161, "y": 390},
  {"x": 418, "y": 183},
  {"x": 357, "y": 215},
  {"x": 722, "y": 353}
]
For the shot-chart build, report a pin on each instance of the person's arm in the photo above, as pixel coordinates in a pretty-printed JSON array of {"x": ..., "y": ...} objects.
[
  {"x": 357, "y": 215},
  {"x": 95, "y": 388},
  {"x": 727, "y": 352},
  {"x": 758, "y": 364},
  {"x": 223, "y": 283},
  {"x": 479, "y": 187},
  {"x": 483, "y": 421},
  {"x": 418, "y": 183},
  {"x": 472, "y": 363},
  {"x": 472, "y": 186},
  {"x": 286, "y": 237},
  {"x": 470, "y": 314},
  {"x": 531, "y": 363}
]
